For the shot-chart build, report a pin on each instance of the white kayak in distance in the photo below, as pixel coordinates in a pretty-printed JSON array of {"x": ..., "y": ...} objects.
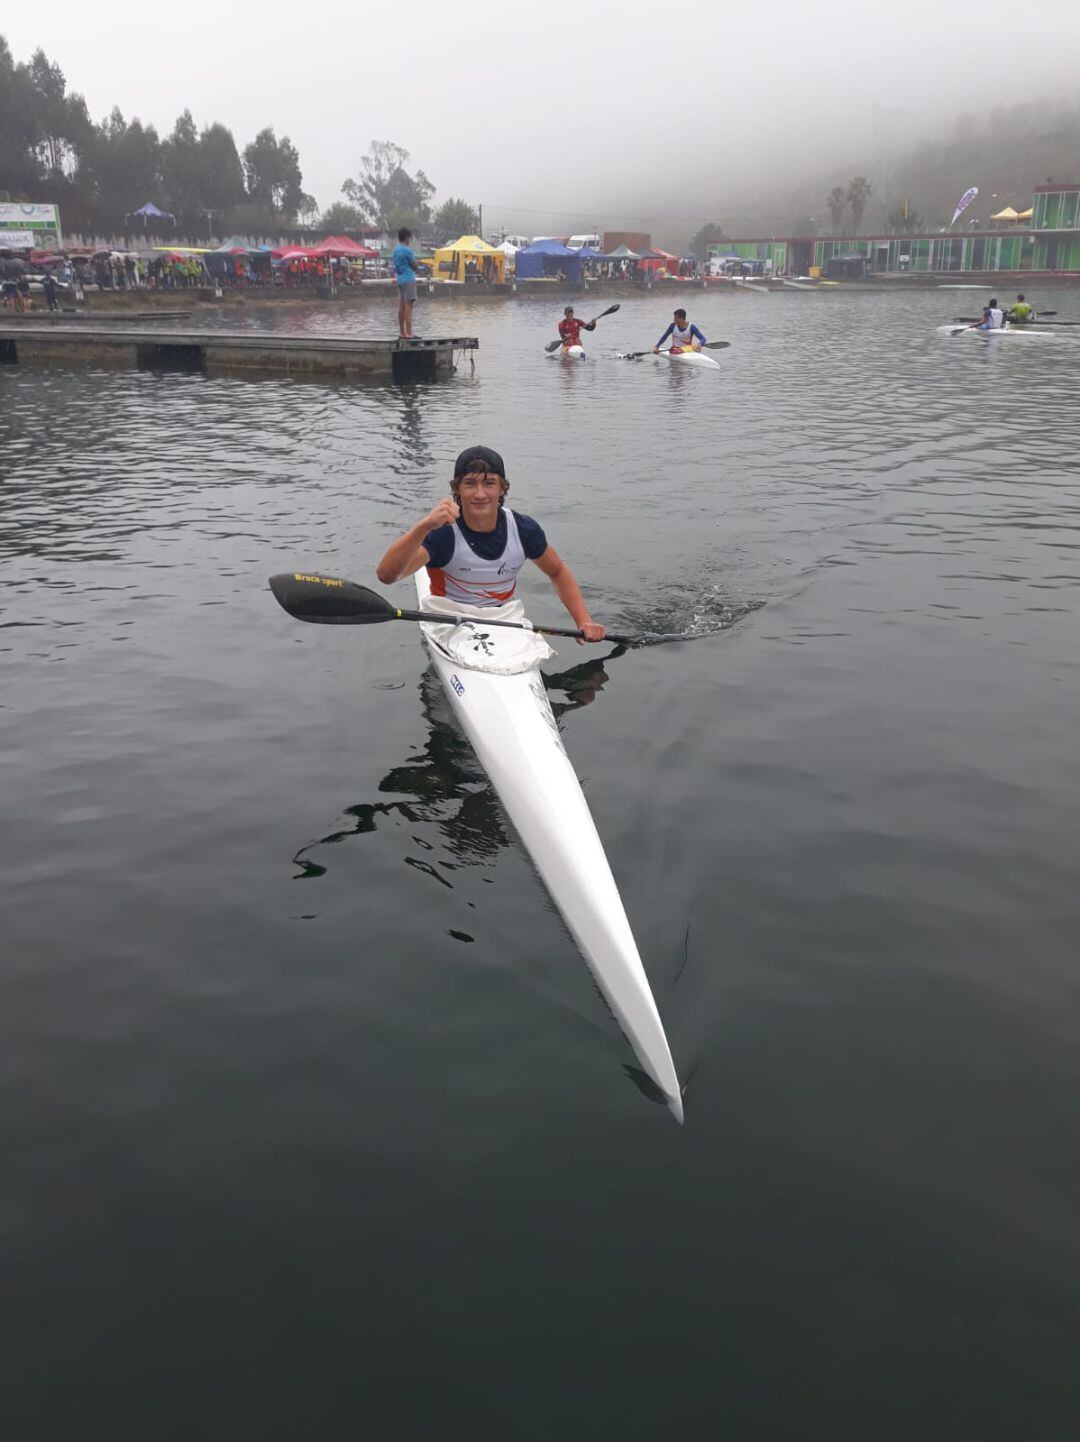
[
  {"x": 492, "y": 679},
  {"x": 1003, "y": 332},
  {"x": 689, "y": 358}
]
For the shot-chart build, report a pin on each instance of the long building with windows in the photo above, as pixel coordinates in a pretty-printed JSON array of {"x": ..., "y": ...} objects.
[{"x": 1049, "y": 246}]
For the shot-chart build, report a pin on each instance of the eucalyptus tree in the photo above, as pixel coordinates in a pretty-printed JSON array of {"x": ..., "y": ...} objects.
[{"x": 384, "y": 191}]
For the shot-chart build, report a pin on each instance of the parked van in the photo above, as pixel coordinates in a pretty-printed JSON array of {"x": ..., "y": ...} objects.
[{"x": 578, "y": 242}]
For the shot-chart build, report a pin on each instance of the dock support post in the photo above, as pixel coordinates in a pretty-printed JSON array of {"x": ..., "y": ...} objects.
[{"x": 413, "y": 365}]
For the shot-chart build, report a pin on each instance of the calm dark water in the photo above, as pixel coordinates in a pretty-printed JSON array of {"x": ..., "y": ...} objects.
[{"x": 312, "y": 1124}]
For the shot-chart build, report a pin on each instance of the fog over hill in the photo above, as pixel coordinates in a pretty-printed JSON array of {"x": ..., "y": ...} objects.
[
  {"x": 633, "y": 117},
  {"x": 1005, "y": 151}
]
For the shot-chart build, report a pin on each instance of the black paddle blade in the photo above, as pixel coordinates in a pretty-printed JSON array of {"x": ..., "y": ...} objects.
[{"x": 328, "y": 600}]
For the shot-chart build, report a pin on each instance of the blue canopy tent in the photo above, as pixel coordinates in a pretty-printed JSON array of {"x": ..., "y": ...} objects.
[
  {"x": 548, "y": 258},
  {"x": 149, "y": 212}
]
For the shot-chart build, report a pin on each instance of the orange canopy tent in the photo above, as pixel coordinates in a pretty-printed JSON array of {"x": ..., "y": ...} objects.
[{"x": 658, "y": 259}]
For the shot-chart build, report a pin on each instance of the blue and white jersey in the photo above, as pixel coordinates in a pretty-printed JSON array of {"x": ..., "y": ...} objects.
[
  {"x": 481, "y": 568},
  {"x": 682, "y": 336}
]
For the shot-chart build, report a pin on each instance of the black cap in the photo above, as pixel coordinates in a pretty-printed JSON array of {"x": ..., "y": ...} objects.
[{"x": 468, "y": 459}]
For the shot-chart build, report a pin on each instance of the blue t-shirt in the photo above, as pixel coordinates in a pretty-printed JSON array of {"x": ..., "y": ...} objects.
[
  {"x": 404, "y": 263},
  {"x": 439, "y": 543}
]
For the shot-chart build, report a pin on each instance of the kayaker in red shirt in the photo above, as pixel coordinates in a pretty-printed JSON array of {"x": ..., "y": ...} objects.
[{"x": 570, "y": 327}]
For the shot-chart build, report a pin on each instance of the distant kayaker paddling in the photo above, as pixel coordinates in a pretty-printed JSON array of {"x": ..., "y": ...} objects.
[
  {"x": 570, "y": 328},
  {"x": 684, "y": 335},
  {"x": 993, "y": 317}
]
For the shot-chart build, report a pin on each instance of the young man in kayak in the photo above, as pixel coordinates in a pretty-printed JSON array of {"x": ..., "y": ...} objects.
[
  {"x": 1021, "y": 313},
  {"x": 474, "y": 547},
  {"x": 993, "y": 317},
  {"x": 683, "y": 336},
  {"x": 570, "y": 327}
]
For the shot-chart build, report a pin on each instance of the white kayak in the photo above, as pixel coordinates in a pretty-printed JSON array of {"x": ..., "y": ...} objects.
[
  {"x": 568, "y": 352},
  {"x": 689, "y": 358},
  {"x": 1005, "y": 331},
  {"x": 504, "y": 710}
]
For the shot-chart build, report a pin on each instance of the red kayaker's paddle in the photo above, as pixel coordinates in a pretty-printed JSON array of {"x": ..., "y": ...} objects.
[{"x": 554, "y": 345}]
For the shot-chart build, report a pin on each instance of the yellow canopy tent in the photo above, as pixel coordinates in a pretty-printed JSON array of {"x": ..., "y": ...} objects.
[
  {"x": 1007, "y": 214},
  {"x": 451, "y": 260},
  {"x": 1025, "y": 214}
]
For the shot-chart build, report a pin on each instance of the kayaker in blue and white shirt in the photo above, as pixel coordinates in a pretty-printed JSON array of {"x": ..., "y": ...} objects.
[
  {"x": 683, "y": 336},
  {"x": 473, "y": 545},
  {"x": 993, "y": 316}
]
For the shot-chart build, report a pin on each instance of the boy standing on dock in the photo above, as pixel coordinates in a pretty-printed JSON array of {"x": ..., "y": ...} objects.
[{"x": 404, "y": 263}]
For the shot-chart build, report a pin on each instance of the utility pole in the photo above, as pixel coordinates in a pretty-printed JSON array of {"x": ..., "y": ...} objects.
[{"x": 480, "y": 220}]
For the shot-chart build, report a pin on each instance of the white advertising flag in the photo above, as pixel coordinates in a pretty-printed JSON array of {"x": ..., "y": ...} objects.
[{"x": 963, "y": 203}]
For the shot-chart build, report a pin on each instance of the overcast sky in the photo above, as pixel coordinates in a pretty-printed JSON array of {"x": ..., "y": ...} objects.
[{"x": 599, "y": 113}]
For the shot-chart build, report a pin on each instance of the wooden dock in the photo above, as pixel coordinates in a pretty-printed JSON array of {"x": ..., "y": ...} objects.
[
  {"x": 228, "y": 352},
  {"x": 71, "y": 315}
]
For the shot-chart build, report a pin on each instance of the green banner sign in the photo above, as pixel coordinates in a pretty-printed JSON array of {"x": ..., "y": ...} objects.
[{"x": 23, "y": 226}]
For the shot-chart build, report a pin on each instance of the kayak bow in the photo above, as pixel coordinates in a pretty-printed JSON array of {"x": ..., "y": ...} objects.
[
  {"x": 509, "y": 721},
  {"x": 689, "y": 358}
]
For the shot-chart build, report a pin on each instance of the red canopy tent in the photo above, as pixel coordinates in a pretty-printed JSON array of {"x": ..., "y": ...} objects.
[
  {"x": 340, "y": 247},
  {"x": 658, "y": 259}
]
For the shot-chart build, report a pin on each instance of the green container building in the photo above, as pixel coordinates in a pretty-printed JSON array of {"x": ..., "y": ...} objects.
[{"x": 1049, "y": 246}]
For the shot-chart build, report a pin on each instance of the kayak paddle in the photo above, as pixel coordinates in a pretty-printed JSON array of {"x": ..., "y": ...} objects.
[
  {"x": 554, "y": 345},
  {"x": 708, "y": 345},
  {"x": 331, "y": 601}
]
